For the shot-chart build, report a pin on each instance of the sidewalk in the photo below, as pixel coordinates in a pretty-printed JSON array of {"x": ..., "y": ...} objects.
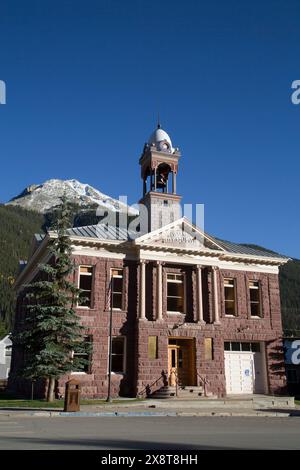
[{"x": 156, "y": 408}]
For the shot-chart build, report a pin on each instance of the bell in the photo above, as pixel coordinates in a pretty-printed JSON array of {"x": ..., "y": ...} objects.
[{"x": 161, "y": 180}]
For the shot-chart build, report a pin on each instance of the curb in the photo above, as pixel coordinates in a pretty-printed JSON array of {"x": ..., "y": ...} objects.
[{"x": 119, "y": 414}]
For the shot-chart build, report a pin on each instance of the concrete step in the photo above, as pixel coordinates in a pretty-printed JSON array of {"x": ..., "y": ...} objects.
[{"x": 183, "y": 392}]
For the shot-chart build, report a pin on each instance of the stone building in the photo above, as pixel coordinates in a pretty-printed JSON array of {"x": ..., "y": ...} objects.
[{"x": 188, "y": 309}]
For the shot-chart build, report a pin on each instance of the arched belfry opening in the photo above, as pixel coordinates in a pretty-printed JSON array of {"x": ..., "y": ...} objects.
[
  {"x": 161, "y": 178},
  {"x": 159, "y": 168},
  {"x": 161, "y": 181}
]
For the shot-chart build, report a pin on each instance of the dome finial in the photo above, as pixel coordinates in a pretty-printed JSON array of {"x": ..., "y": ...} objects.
[
  {"x": 158, "y": 121},
  {"x": 160, "y": 138}
]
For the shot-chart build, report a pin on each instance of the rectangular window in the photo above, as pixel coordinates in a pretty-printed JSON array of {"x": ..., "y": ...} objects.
[
  {"x": 8, "y": 350},
  {"x": 85, "y": 284},
  {"x": 235, "y": 346},
  {"x": 173, "y": 354},
  {"x": 117, "y": 288},
  {"x": 180, "y": 358},
  {"x": 255, "y": 347},
  {"x": 152, "y": 347},
  {"x": 241, "y": 346},
  {"x": 175, "y": 293},
  {"x": 209, "y": 352},
  {"x": 229, "y": 297},
  {"x": 255, "y": 305},
  {"x": 84, "y": 353},
  {"x": 118, "y": 355}
]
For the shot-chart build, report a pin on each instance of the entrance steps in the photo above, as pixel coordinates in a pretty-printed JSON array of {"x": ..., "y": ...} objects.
[{"x": 183, "y": 393}]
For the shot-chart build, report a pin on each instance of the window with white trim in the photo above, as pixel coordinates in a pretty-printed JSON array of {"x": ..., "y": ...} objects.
[
  {"x": 85, "y": 285},
  {"x": 230, "y": 297},
  {"x": 84, "y": 353},
  {"x": 255, "y": 301},
  {"x": 117, "y": 288},
  {"x": 118, "y": 365},
  {"x": 175, "y": 292}
]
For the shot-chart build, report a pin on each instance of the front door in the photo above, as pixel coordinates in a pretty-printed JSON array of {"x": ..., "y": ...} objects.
[
  {"x": 181, "y": 363},
  {"x": 173, "y": 364}
]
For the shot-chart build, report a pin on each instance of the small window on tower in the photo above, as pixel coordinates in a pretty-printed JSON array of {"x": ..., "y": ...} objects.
[{"x": 165, "y": 202}]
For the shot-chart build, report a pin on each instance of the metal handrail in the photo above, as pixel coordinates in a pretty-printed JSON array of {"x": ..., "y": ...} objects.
[
  {"x": 150, "y": 386},
  {"x": 176, "y": 382},
  {"x": 204, "y": 381}
]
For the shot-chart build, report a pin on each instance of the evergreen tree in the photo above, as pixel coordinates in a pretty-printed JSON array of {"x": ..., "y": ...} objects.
[{"x": 51, "y": 329}]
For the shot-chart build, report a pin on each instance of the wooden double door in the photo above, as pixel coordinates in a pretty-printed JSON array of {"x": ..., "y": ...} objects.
[{"x": 181, "y": 362}]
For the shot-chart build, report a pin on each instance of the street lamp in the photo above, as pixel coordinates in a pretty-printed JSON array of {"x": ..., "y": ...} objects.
[{"x": 109, "y": 399}]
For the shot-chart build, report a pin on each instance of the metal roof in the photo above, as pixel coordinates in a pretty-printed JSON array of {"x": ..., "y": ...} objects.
[
  {"x": 102, "y": 232},
  {"x": 247, "y": 250}
]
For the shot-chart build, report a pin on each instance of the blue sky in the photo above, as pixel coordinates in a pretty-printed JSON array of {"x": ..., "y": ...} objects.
[{"x": 85, "y": 80}]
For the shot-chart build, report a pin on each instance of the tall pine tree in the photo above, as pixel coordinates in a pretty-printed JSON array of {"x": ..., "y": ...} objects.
[{"x": 51, "y": 329}]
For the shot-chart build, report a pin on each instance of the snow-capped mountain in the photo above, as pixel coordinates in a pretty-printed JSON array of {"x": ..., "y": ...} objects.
[{"x": 44, "y": 197}]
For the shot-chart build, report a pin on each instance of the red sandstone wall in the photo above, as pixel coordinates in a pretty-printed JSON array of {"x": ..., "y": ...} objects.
[{"x": 141, "y": 371}]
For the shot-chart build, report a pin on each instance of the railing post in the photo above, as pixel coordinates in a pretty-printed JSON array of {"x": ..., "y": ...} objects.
[{"x": 204, "y": 382}]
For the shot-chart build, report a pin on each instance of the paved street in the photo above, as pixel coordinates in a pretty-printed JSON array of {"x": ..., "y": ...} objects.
[{"x": 151, "y": 433}]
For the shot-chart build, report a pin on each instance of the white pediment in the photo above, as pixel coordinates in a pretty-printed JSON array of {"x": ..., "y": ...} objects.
[{"x": 181, "y": 234}]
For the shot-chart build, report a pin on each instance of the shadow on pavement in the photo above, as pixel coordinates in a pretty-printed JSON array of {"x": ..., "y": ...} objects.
[{"x": 103, "y": 444}]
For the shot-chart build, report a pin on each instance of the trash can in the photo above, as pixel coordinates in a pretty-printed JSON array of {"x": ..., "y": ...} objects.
[{"x": 72, "y": 396}]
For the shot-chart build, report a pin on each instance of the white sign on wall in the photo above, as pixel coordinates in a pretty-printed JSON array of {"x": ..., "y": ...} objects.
[{"x": 292, "y": 351}]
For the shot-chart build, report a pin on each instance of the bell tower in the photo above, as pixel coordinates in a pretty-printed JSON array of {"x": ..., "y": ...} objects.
[{"x": 159, "y": 167}]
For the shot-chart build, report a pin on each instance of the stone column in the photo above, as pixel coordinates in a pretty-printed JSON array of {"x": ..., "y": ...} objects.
[
  {"x": 215, "y": 294},
  {"x": 159, "y": 280},
  {"x": 174, "y": 183},
  {"x": 199, "y": 295},
  {"x": 142, "y": 290}
]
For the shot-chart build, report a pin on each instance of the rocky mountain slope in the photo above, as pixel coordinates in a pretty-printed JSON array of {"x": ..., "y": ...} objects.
[{"x": 44, "y": 197}]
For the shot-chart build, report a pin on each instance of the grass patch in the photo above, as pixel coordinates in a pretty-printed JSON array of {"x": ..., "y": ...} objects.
[
  {"x": 19, "y": 403},
  {"x": 14, "y": 403},
  {"x": 297, "y": 402}
]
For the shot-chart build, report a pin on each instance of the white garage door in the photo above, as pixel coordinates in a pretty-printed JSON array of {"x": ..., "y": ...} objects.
[{"x": 243, "y": 372}]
